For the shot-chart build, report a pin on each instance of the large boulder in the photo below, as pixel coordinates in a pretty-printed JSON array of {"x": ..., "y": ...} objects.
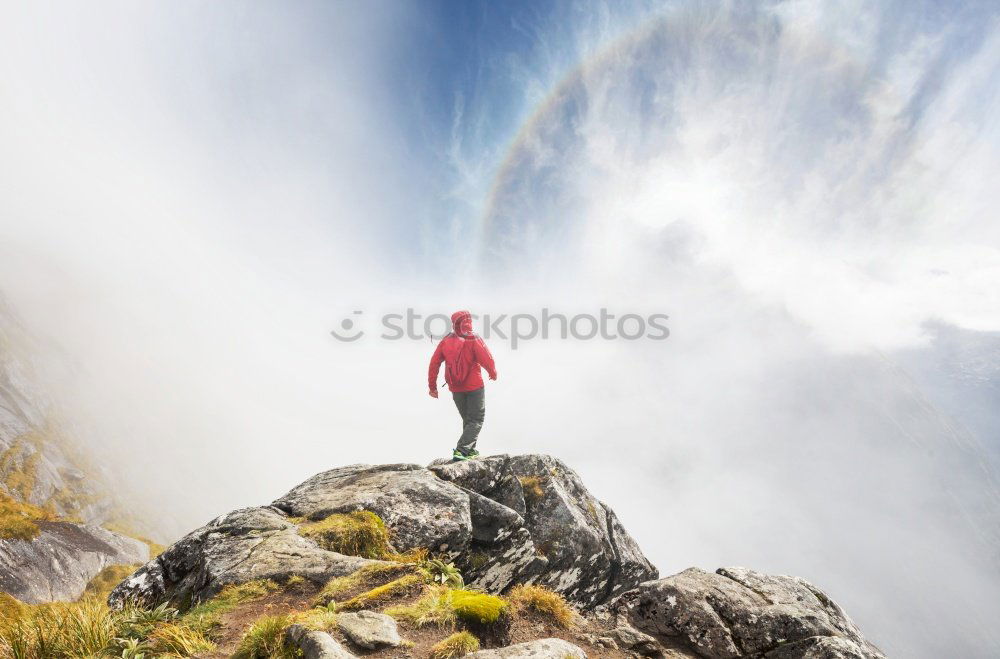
[
  {"x": 476, "y": 513},
  {"x": 736, "y": 612},
  {"x": 582, "y": 550},
  {"x": 421, "y": 510},
  {"x": 60, "y": 561},
  {"x": 245, "y": 545}
]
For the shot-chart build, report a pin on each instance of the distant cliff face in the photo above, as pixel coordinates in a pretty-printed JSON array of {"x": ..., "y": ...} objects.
[
  {"x": 38, "y": 462},
  {"x": 51, "y": 500}
]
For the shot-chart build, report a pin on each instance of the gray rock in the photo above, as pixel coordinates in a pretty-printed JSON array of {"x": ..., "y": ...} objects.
[
  {"x": 475, "y": 512},
  {"x": 819, "y": 647},
  {"x": 629, "y": 638},
  {"x": 421, "y": 510},
  {"x": 584, "y": 552},
  {"x": 370, "y": 630},
  {"x": 58, "y": 564},
  {"x": 737, "y": 612},
  {"x": 316, "y": 644},
  {"x": 546, "y": 648},
  {"x": 248, "y": 544}
]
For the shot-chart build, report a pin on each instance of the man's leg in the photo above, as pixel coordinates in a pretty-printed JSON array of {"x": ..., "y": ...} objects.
[
  {"x": 461, "y": 399},
  {"x": 473, "y": 415}
]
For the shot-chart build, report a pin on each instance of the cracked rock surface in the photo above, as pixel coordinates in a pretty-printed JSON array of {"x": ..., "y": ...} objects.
[
  {"x": 247, "y": 544},
  {"x": 737, "y": 612},
  {"x": 559, "y": 535},
  {"x": 475, "y": 512}
]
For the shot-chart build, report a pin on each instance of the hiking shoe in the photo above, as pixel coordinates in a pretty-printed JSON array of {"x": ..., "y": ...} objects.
[
  {"x": 472, "y": 454},
  {"x": 457, "y": 455}
]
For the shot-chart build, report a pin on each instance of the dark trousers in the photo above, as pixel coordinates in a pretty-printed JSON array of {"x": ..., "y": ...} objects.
[{"x": 472, "y": 406}]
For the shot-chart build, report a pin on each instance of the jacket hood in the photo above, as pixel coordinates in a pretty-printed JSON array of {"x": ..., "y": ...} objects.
[{"x": 461, "y": 322}]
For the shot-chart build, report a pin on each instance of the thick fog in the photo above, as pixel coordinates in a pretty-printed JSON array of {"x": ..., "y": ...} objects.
[{"x": 195, "y": 195}]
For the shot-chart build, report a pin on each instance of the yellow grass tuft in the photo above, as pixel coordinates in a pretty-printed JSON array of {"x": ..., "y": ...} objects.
[
  {"x": 175, "y": 639},
  {"x": 456, "y": 645},
  {"x": 543, "y": 601},
  {"x": 533, "y": 488},
  {"x": 265, "y": 639},
  {"x": 434, "y": 608},
  {"x": 18, "y": 521},
  {"x": 383, "y": 593},
  {"x": 360, "y": 533},
  {"x": 369, "y": 576}
]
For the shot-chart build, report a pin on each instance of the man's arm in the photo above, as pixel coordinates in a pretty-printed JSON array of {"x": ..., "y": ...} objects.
[
  {"x": 435, "y": 367},
  {"x": 484, "y": 358}
]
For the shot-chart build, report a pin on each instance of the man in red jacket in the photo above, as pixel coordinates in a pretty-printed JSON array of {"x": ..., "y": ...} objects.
[{"x": 463, "y": 354}]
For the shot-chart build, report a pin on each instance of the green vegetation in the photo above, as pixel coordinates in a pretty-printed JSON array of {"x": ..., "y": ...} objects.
[
  {"x": 106, "y": 580},
  {"x": 88, "y": 628},
  {"x": 543, "y": 601},
  {"x": 176, "y": 639},
  {"x": 476, "y": 607},
  {"x": 10, "y": 607},
  {"x": 417, "y": 555},
  {"x": 318, "y": 619},
  {"x": 18, "y": 520},
  {"x": 434, "y": 608},
  {"x": 478, "y": 559},
  {"x": 360, "y": 533},
  {"x": 265, "y": 639},
  {"x": 458, "y": 644},
  {"x": 443, "y": 606},
  {"x": 369, "y": 576},
  {"x": 383, "y": 593},
  {"x": 533, "y": 488},
  {"x": 443, "y": 573},
  {"x": 206, "y": 617},
  {"x": 19, "y": 464}
]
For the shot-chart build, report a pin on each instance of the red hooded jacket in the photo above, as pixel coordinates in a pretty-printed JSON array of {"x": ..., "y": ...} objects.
[{"x": 464, "y": 352}]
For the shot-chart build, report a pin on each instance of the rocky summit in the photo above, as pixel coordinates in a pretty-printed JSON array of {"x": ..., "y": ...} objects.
[{"x": 501, "y": 522}]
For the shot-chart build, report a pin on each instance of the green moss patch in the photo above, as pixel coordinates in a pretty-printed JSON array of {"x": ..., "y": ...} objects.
[
  {"x": 360, "y": 533},
  {"x": 444, "y": 606},
  {"x": 476, "y": 607}
]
